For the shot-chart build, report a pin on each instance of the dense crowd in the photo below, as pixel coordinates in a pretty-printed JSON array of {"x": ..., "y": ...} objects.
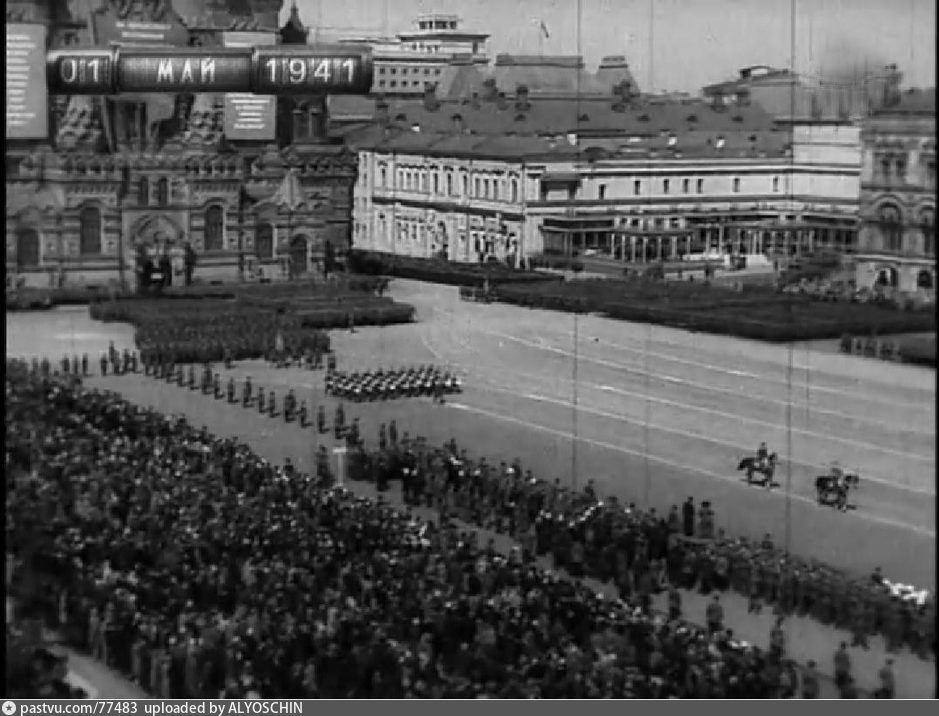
[
  {"x": 586, "y": 535},
  {"x": 34, "y": 669},
  {"x": 200, "y": 569},
  {"x": 426, "y": 381},
  {"x": 640, "y": 551}
]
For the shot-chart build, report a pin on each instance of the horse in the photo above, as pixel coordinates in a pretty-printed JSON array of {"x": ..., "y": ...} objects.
[
  {"x": 755, "y": 465},
  {"x": 829, "y": 490}
]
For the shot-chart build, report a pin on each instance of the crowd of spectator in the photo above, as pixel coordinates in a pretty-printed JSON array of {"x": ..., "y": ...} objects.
[
  {"x": 642, "y": 550},
  {"x": 199, "y": 569}
]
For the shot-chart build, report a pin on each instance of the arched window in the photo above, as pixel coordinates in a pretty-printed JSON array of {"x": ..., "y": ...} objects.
[
  {"x": 214, "y": 228},
  {"x": 436, "y": 183},
  {"x": 465, "y": 185},
  {"x": 143, "y": 192},
  {"x": 264, "y": 242},
  {"x": 89, "y": 221},
  {"x": 514, "y": 190},
  {"x": 889, "y": 218},
  {"x": 163, "y": 192},
  {"x": 927, "y": 221},
  {"x": 384, "y": 177},
  {"x": 449, "y": 185}
]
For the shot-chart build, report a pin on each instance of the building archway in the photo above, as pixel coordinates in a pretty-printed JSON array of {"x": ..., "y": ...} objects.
[
  {"x": 886, "y": 277},
  {"x": 299, "y": 255},
  {"x": 27, "y": 248}
]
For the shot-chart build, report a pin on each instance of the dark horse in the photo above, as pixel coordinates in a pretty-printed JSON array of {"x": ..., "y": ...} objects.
[
  {"x": 829, "y": 490},
  {"x": 753, "y": 466}
]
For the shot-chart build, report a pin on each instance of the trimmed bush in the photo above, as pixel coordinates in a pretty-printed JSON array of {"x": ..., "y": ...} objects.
[
  {"x": 920, "y": 351},
  {"x": 441, "y": 271},
  {"x": 758, "y": 312}
]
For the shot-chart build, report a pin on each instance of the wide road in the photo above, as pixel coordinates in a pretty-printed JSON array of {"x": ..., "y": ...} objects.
[
  {"x": 651, "y": 414},
  {"x": 660, "y": 414}
]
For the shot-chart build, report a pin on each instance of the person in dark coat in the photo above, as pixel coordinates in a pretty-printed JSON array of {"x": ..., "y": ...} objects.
[{"x": 687, "y": 514}]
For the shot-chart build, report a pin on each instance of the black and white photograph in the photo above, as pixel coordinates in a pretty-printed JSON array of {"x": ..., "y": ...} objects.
[{"x": 468, "y": 349}]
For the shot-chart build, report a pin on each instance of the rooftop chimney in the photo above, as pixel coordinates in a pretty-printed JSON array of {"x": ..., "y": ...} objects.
[{"x": 892, "y": 86}]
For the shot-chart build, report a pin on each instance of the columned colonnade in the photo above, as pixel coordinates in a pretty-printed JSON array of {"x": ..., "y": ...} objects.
[{"x": 643, "y": 245}]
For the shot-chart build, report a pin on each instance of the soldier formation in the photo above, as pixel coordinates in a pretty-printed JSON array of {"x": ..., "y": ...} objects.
[{"x": 420, "y": 381}]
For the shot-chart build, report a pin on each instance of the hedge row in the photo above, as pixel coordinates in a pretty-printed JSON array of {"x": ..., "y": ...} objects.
[
  {"x": 916, "y": 350},
  {"x": 440, "y": 271},
  {"x": 558, "y": 263},
  {"x": 35, "y": 298},
  {"x": 361, "y": 316},
  {"x": 313, "y": 303},
  {"x": 762, "y": 315}
]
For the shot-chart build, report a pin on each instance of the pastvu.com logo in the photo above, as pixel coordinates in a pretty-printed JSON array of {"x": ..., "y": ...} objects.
[{"x": 9, "y": 708}]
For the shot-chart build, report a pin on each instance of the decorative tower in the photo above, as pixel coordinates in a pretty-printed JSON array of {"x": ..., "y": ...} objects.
[{"x": 294, "y": 32}]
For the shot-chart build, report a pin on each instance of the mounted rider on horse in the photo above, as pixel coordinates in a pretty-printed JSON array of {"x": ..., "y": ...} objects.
[
  {"x": 833, "y": 488},
  {"x": 764, "y": 463}
]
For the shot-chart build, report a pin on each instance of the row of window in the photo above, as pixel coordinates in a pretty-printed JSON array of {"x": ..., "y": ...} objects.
[
  {"x": 404, "y": 70},
  {"x": 491, "y": 189},
  {"x": 393, "y": 84},
  {"x": 892, "y": 167},
  {"x": 494, "y": 189},
  {"x": 685, "y": 187},
  {"x": 90, "y": 230}
]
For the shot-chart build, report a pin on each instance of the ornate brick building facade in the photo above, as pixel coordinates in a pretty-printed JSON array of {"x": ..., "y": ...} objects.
[
  {"x": 898, "y": 196},
  {"x": 158, "y": 172}
]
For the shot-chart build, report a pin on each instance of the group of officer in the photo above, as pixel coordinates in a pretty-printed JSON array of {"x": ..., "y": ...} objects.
[
  {"x": 111, "y": 361},
  {"x": 419, "y": 381},
  {"x": 585, "y": 534}
]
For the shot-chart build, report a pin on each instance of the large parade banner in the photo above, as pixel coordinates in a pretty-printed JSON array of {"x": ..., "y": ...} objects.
[
  {"x": 250, "y": 117},
  {"x": 27, "y": 98}
]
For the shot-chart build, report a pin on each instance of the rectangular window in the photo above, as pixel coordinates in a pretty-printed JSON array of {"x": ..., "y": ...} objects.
[
  {"x": 736, "y": 185},
  {"x": 700, "y": 186},
  {"x": 476, "y": 187},
  {"x": 665, "y": 186},
  {"x": 775, "y": 184},
  {"x": 901, "y": 169},
  {"x": 685, "y": 185},
  {"x": 602, "y": 192},
  {"x": 637, "y": 186}
]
